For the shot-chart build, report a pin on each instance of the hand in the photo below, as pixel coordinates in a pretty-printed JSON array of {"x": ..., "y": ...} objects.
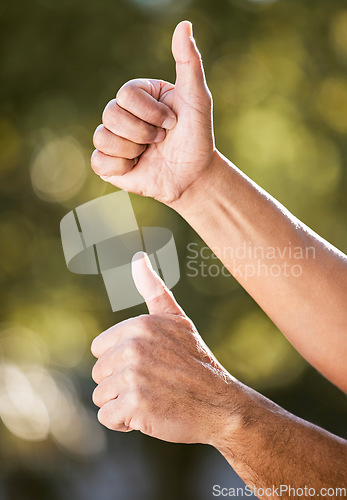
[
  {"x": 157, "y": 138},
  {"x": 156, "y": 374}
]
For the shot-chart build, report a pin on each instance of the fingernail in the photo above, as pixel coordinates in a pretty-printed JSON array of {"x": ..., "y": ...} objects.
[
  {"x": 160, "y": 135},
  {"x": 169, "y": 123}
]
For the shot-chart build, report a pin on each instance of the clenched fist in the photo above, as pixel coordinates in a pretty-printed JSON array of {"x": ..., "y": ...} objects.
[
  {"x": 156, "y": 375},
  {"x": 156, "y": 138}
]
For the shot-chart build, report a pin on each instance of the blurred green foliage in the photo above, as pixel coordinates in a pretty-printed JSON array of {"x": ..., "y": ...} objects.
[{"x": 277, "y": 71}]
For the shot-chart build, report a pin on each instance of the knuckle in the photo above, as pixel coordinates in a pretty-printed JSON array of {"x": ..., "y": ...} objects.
[
  {"x": 135, "y": 398},
  {"x": 104, "y": 417},
  {"x": 144, "y": 322},
  {"x": 109, "y": 112},
  {"x": 96, "y": 163},
  {"x": 96, "y": 372},
  {"x": 95, "y": 347},
  {"x": 125, "y": 94},
  {"x": 108, "y": 418},
  {"x": 132, "y": 375},
  {"x": 96, "y": 397},
  {"x": 99, "y": 137},
  {"x": 147, "y": 326},
  {"x": 135, "y": 350}
]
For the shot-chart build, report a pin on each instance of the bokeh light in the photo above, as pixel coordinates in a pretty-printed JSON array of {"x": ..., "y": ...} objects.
[
  {"x": 34, "y": 403},
  {"x": 277, "y": 72},
  {"x": 58, "y": 169},
  {"x": 256, "y": 352},
  {"x": 10, "y": 145},
  {"x": 241, "y": 79},
  {"x": 162, "y": 6},
  {"x": 338, "y": 33},
  {"x": 331, "y": 103},
  {"x": 276, "y": 145},
  {"x": 22, "y": 345},
  {"x": 64, "y": 331},
  {"x": 252, "y": 4},
  {"x": 21, "y": 410},
  {"x": 20, "y": 242}
]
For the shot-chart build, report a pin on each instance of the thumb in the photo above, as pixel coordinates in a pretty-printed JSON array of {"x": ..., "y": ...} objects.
[
  {"x": 158, "y": 297},
  {"x": 189, "y": 68}
]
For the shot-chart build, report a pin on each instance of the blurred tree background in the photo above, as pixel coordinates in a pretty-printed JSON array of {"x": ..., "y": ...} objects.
[{"x": 277, "y": 71}]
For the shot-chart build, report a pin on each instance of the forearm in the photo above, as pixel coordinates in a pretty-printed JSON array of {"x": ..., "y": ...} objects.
[
  {"x": 297, "y": 278},
  {"x": 271, "y": 447}
]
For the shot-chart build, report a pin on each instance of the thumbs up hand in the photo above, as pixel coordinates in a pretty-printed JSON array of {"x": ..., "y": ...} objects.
[
  {"x": 157, "y": 138},
  {"x": 154, "y": 372},
  {"x": 156, "y": 375}
]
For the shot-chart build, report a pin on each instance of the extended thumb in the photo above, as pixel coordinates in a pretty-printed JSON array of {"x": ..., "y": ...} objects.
[
  {"x": 189, "y": 68},
  {"x": 158, "y": 297}
]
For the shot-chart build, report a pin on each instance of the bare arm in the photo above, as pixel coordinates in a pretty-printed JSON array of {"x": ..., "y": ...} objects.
[
  {"x": 157, "y": 140},
  {"x": 156, "y": 375},
  {"x": 274, "y": 449},
  {"x": 298, "y": 278}
]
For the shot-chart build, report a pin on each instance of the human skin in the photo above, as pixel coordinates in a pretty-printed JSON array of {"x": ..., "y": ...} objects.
[
  {"x": 175, "y": 161},
  {"x": 156, "y": 375}
]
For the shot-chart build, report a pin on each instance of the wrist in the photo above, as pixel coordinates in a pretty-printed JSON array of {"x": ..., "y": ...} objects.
[
  {"x": 233, "y": 416},
  {"x": 244, "y": 423},
  {"x": 201, "y": 189}
]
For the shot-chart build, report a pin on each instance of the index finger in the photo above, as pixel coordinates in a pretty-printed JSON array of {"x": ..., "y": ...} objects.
[
  {"x": 110, "y": 337},
  {"x": 141, "y": 98}
]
